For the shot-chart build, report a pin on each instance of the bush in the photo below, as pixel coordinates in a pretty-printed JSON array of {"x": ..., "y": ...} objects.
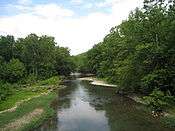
[
  {"x": 30, "y": 79},
  {"x": 51, "y": 81},
  {"x": 13, "y": 71},
  {"x": 5, "y": 90},
  {"x": 157, "y": 100},
  {"x": 169, "y": 120}
]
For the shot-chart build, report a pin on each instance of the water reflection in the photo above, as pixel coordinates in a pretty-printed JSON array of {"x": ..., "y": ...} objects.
[
  {"x": 85, "y": 107},
  {"x": 80, "y": 116}
]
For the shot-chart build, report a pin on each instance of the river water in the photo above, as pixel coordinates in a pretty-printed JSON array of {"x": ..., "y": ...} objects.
[{"x": 85, "y": 107}]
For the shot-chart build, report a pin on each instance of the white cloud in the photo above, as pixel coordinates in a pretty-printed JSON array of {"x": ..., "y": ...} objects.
[
  {"x": 51, "y": 10},
  {"x": 24, "y": 2},
  {"x": 79, "y": 34},
  {"x": 76, "y": 2},
  {"x": 108, "y": 3},
  {"x": 88, "y": 6},
  {"x": 121, "y": 10}
]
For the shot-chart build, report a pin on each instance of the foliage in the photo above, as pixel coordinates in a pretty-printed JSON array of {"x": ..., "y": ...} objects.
[
  {"x": 55, "y": 80},
  {"x": 39, "y": 55},
  {"x": 63, "y": 62},
  {"x": 139, "y": 54},
  {"x": 5, "y": 90},
  {"x": 29, "y": 79},
  {"x": 26, "y": 60},
  {"x": 14, "y": 71},
  {"x": 42, "y": 57},
  {"x": 6, "y": 47},
  {"x": 169, "y": 120},
  {"x": 81, "y": 63},
  {"x": 157, "y": 100}
]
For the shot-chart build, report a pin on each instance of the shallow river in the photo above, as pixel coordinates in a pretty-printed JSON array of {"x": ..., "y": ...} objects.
[{"x": 85, "y": 107}]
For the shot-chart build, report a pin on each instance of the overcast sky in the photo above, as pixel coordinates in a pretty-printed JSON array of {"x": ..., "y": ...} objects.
[{"x": 77, "y": 24}]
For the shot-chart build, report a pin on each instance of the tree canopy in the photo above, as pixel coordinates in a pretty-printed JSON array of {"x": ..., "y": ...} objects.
[
  {"x": 139, "y": 54},
  {"x": 40, "y": 56}
]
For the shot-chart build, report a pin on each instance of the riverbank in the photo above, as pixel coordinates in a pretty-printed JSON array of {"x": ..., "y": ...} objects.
[
  {"x": 100, "y": 82},
  {"x": 30, "y": 107},
  {"x": 168, "y": 118}
]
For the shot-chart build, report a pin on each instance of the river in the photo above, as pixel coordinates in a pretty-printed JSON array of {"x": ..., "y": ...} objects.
[{"x": 85, "y": 107}]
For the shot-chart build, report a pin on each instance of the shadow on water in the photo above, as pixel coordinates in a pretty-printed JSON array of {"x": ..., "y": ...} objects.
[{"x": 85, "y": 107}]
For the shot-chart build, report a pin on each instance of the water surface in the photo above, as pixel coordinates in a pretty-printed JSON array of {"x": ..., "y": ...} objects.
[{"x": 85, "y": 107}]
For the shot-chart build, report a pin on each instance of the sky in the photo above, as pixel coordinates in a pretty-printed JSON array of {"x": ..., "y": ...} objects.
[{"x": 76, "y": 24}]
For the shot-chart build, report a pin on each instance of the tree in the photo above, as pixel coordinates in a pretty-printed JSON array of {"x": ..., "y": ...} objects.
[
  {"x": 139, "y": 54},
  {"x": 63, "y": 62},
  {"x": 42, "y": 57},
  {"x": 6, "y": 47},
  {"x": 14, "y": 71}
]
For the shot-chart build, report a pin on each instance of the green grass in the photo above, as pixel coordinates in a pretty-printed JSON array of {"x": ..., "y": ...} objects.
[
  {"x": 55, "y": 80},
  {"x": 25, "y": 93},
  {"x": 16, "y": 97},
  {"x": 27, "y": 107}
]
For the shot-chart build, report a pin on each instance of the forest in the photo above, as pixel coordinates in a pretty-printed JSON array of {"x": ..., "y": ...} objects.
[
  {"x": 29, "y": 59},
  {"x": 31, "y": 71},
  {"x": 139, "y": 54}
]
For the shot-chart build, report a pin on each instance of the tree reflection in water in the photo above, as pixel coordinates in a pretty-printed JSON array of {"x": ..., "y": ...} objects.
[{"x": 85, "y": 107}]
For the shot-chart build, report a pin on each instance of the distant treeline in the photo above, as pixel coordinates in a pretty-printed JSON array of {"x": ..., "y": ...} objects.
[
  {"x": 138, "y": 54},
  {"x": 40, "y": 57}
]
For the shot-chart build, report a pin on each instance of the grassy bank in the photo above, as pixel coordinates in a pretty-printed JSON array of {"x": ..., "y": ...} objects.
[
  {"x": 16, "y": 97},
  {"x": 42, "y": 102},
  {"x": 32, "y": 106},
  {"x": 20, "y": 94}
]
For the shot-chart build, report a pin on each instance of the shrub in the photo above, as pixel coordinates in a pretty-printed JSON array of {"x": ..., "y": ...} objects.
[
  {"x": 51, "y": 81},
  {"x": 157, "y": 100},
  {"x": 5, "y": 90},
  {"x": 13, "y": 71},
  {"x": 29, "y": 79}
]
